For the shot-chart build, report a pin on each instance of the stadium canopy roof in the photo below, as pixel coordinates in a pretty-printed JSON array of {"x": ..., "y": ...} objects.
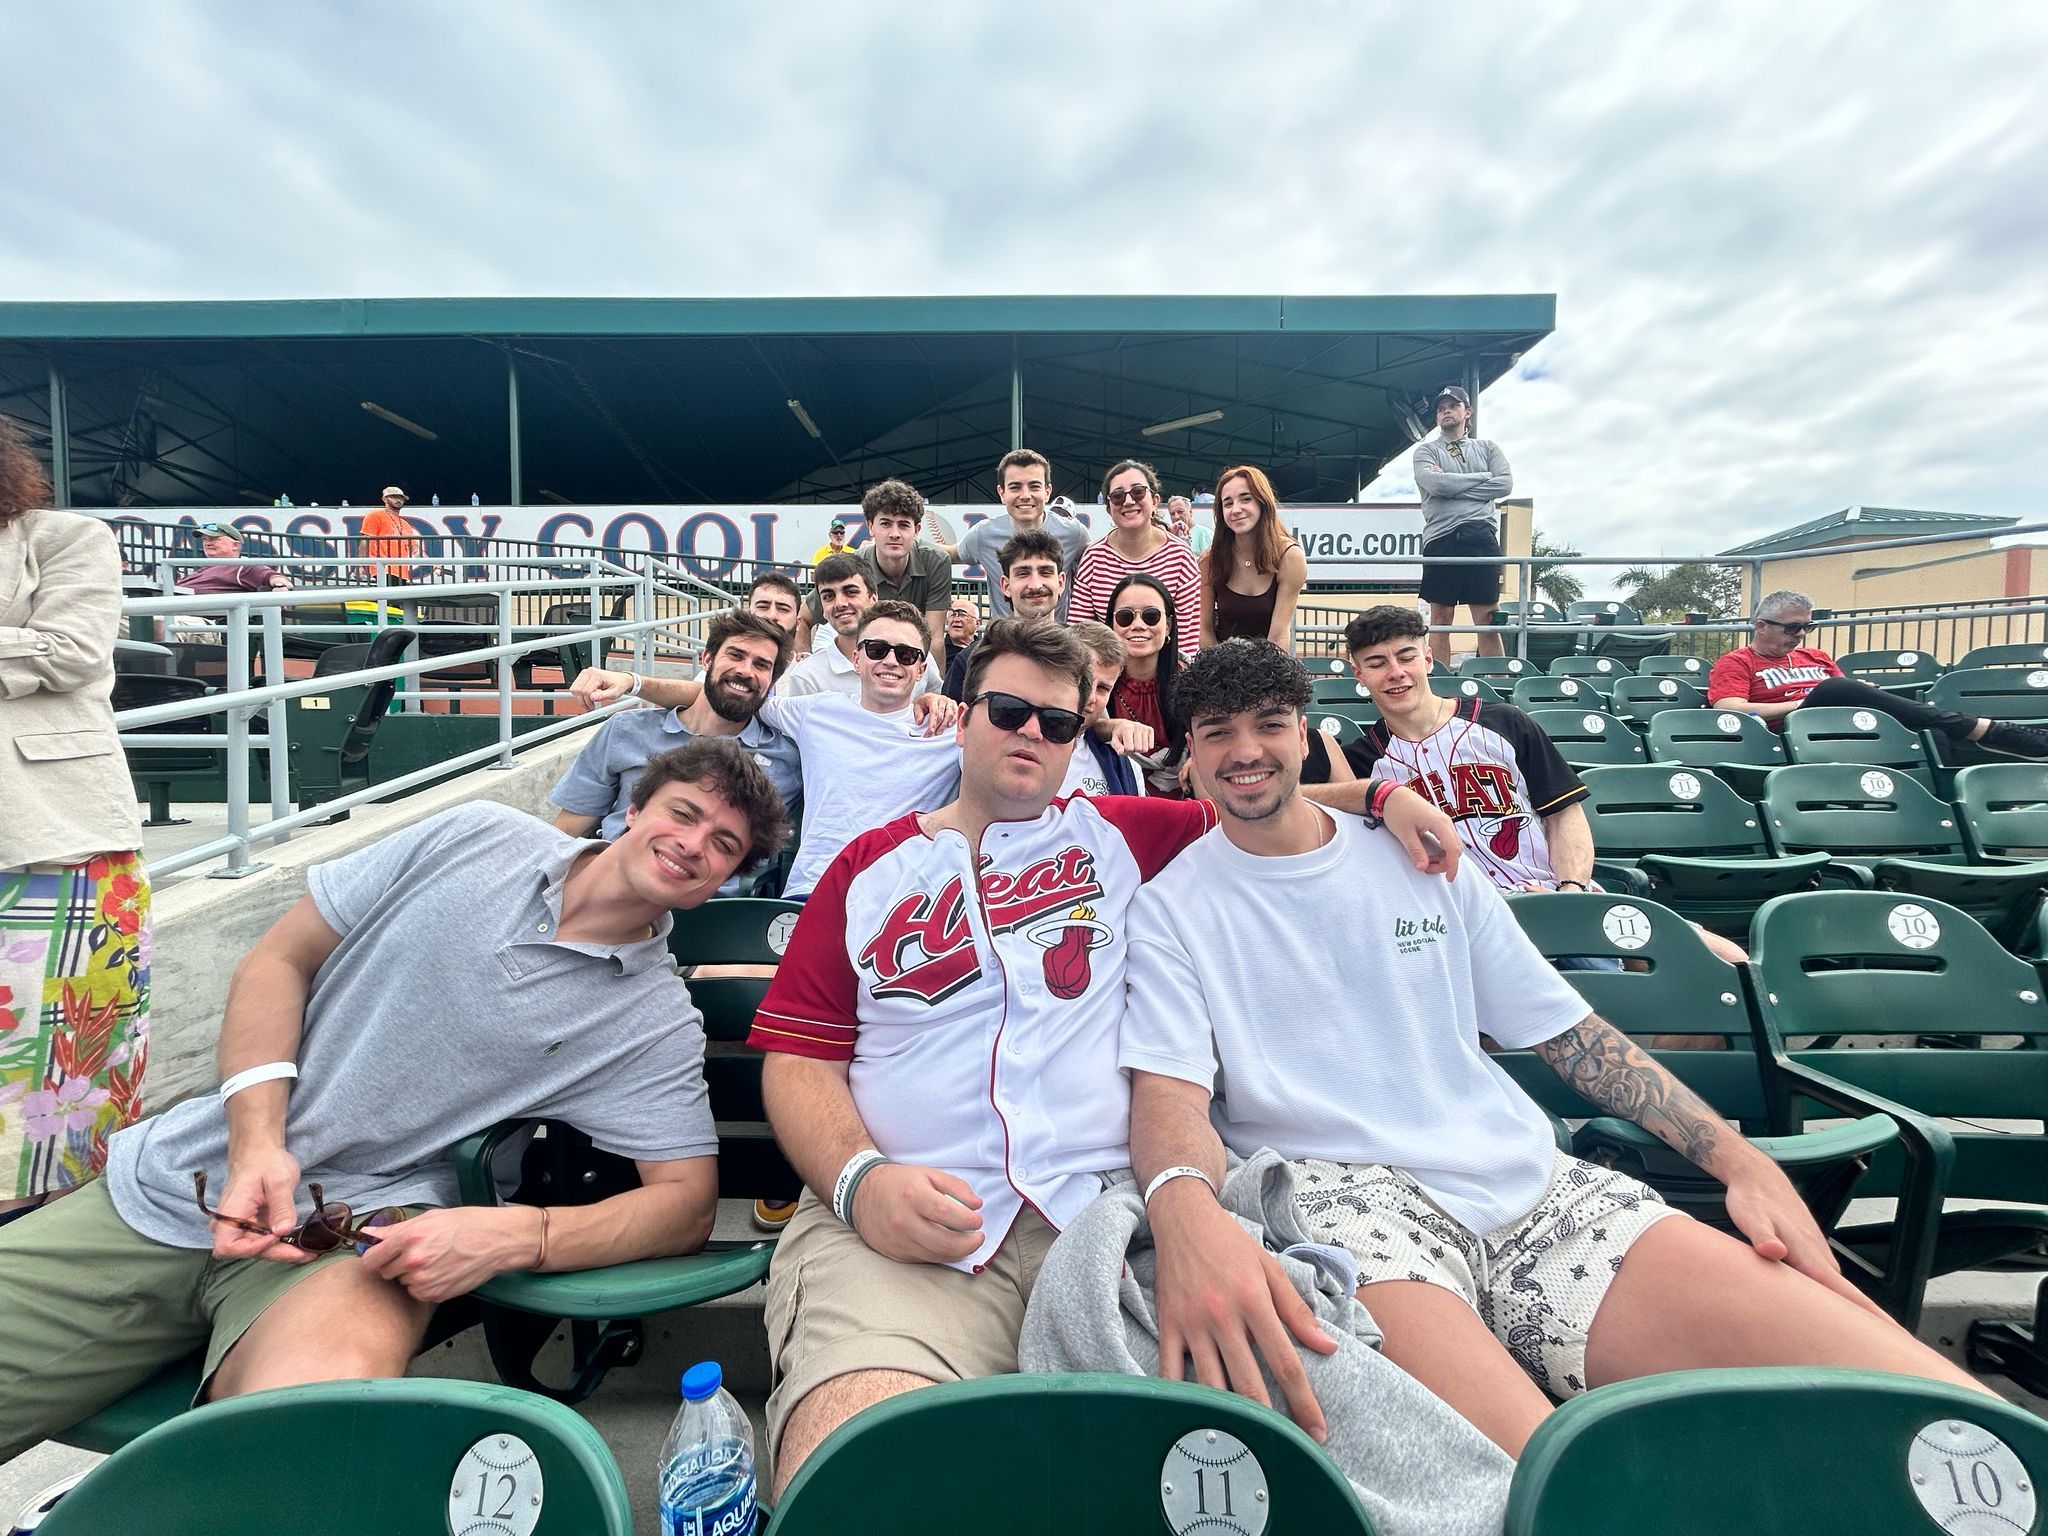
[
  {"x": 733, "y": 400},
  {"x": 1863, "y": 525}
]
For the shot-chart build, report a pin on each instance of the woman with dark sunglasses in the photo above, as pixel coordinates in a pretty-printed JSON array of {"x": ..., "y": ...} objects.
[
  {"x": 1141, "y": 613},
  {"x": 1133, "y": 545}
]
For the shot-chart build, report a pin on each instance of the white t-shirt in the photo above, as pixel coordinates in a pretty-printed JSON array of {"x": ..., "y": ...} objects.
[
  {"x": 861, "y": 769},
  {"x": 1084, "y": 775},
  {"x": 1333, "y": 1003},
  {"x": 826, "y": 670}
]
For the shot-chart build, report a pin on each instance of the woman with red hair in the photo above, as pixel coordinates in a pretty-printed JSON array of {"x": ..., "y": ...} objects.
[
  {"x": 74, "y": 899},
  {"x": 1253, "y": 574}
]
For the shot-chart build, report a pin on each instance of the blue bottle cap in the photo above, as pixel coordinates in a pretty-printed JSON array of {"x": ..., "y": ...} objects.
[{"x": 702, "y": 1381}]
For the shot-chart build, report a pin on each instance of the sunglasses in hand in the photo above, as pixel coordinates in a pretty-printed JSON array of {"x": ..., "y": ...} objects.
[
  {"x": 329, "y": 1227},
  {"x": 881, "y": 650},
  {"x": 1007, "y": 712}
]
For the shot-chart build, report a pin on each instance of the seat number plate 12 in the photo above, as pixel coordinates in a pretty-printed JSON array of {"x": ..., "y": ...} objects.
[{"x": 496, "y": 1490}]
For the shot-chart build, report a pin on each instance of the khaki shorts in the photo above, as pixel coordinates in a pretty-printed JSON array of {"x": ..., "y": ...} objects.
[
  {"x": 90, "y": 1309},
  {"x": 835, "y": 1306},
  {"x": 1536, "y": 1283}
]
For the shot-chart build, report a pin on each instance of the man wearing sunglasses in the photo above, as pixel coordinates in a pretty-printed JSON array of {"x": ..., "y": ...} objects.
[
  {"x": 942, "y": 1047},
  {"x": 1775, "y": 674},
  {"x": 844, "y": 590},
  {"x": 474, "y": 967}
]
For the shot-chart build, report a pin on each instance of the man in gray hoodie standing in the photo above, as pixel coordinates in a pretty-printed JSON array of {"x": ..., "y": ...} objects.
[{"x": 1461, "y": 479}]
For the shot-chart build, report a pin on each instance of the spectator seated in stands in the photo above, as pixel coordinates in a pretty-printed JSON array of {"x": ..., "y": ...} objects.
[
  {"x": 844, "y": 592},
  {"x": 1101, "y": 765},
  {"x": 963, "y": 619},
  {"x": 937, "y": 1170},
  {"x": 775, "y": 597},
  {"x": 1498, "y": 1267},
  {"x": 900, "y": 567},
  {"x": 1774, "y": 674},
  {"x": 865, "y": 759},
  {"x": 223, "y": 542},
  {"x": 744, "y": 655},
  {"x": 474, "y": 967},
  {"x": 1142, "y": 613},
  {"x": 1032, "y": 583}
]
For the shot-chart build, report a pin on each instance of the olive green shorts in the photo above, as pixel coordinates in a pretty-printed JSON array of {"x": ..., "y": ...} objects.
[{"x": 90, "y": 1309}]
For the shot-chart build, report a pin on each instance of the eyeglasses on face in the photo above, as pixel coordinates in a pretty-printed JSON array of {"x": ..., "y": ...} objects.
[
  {"x": 1124, "y": 618},
  {"x": 881, "y": 650},
  {"x": 1126, "y": 493},
  {"x": 328, "y": 1228},
  {"x": 1007, "y": 712}
]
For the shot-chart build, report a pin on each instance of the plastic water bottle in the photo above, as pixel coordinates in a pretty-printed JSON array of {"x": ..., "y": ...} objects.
[
  {"x": 707, "y": 1462},
  {"x": 436, "y": 500},
  {"x": 475, "y": 500}
]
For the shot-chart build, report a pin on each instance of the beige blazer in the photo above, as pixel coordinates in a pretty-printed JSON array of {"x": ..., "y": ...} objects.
[{"x": 64, "y": 788}]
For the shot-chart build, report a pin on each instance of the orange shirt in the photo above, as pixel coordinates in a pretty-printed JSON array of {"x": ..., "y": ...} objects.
[{"x": 389, "y": 536}]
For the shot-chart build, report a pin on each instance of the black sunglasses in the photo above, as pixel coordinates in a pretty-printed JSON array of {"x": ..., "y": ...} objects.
[
  {"x": 1007, "y": 712},
  {"x": 1129, "y": 493},
  {"x": 880, "y": 650},
  {"x": 1794, "y": 630},
  {"x": 1124, "y": 618}
]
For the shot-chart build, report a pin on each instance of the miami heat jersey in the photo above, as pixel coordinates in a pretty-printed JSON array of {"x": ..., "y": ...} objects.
[
  {"x": 978, "y": 1001},
  {"x": 1493, "y": 772}
]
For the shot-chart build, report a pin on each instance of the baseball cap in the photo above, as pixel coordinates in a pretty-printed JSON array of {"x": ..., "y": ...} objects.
[
  {"x": 839, "y": 525},
  {"x": 392, "y": 490},
  {"x": 220, "y": 530},
  {"x": 1452, "y": 392},
  {"x": 1061, "y": 504}
]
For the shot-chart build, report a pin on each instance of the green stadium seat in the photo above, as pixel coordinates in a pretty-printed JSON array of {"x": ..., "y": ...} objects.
[
  {"x": 1700, "y": 847},
  {"x": 1692, "y": 668},
  {"x": 331, "y": 734},
  {"x": 1451, "y": 686},
  {"x": 1866, "y": 736},
  {"x": 1495, "y": 667},
  {"x": 350, "y": 1457},
  {"x": 2004, "y": 810},
  {"x": 1362, "y": 711},
  {"x": 1780, "y": 1452},
  {"x": 1591, "y": 612},
  {"x": 2027, "y": 654},
  {"x": 1873, "y": 963},
  {"x": 1540, "y": 612},
  {"x": 1590, "y": 738},
  {"x": 1558, "y": 693},
  {"x": 603, "y": 1307},
  {"x": 1322, "y": 668},
  {"x": 1714, "y": 739},
  {"x": 1341, "y": 729},
  {"x": 1639, "y": 699},
  {"x": 1603, "y": 668},
  {"x": 1909, "y": 840},
  {"x": 1910, "y": 673},
  {"x": 919, "y": 1464},
  {"x": 1683, "y": 987},
  {"x": 1331, "y": 689},
  {"x": 1999, "y": 693}
]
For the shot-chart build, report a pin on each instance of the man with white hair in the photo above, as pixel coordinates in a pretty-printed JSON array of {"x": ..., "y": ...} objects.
[{"x": 1774, "y": 674}]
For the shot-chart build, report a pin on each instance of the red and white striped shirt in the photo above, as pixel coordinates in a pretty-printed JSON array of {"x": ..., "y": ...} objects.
[
  {"x": 1101, "y": 568},
  {"x": 978, "y": 998}
]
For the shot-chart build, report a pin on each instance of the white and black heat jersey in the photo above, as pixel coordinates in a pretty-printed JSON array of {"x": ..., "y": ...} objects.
[{"x": 1493, "y": 772}]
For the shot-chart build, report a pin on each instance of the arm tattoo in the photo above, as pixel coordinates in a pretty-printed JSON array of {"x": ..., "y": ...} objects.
[{"x": 1604, "y": 1067}]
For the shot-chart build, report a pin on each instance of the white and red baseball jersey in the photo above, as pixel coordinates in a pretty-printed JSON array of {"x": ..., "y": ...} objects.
[{"x": 979, "y": 1006}]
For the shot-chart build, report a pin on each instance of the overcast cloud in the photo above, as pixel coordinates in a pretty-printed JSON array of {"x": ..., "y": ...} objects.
[{"x": 1799, "y": 251}]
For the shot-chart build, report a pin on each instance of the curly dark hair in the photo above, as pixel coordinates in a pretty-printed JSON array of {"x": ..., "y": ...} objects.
[
  {"x": 1239, "y": 676},
  {"x": 727, "y": 769},
  {"x": 893, "y": 497},
  {"x": 23, "y": 485}
]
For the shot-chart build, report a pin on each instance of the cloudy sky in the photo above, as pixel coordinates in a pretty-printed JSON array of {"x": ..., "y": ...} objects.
[{"x": 1800, "y": 252}]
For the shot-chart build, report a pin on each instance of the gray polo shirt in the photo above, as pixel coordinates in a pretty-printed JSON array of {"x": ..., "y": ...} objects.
[
  {"x": 449, "y": 1006},
  {"x": 600, "y": 782},
  {"x": 1460, "y": 483},
  {"x": 981, "y": 544},
  {"x": 926, "y": 584}
]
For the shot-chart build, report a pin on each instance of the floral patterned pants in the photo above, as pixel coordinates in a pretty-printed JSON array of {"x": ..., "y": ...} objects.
[{"x": 74, "y": 1017}]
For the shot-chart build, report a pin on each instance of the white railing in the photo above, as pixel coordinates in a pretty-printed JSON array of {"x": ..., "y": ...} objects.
[{"x": 249, "y": 616}]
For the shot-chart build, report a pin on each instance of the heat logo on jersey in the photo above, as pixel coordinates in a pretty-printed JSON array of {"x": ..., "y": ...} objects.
[
  {"x": 1503, "y": 834},
  {"x": 924, "y": 948},
  {"x": 1475, "y": 789},
  {"x": 1067, "y": 942}
]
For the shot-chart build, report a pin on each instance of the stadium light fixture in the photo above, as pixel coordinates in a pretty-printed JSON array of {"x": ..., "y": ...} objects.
[
  {"x": 804, "y": 419},
  {"x": 402, "y": 423},
  {"x": 1200, "y": 419}
]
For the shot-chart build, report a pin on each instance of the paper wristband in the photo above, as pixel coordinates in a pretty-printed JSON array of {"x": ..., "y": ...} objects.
[
  {"x": 268, "y": 1072},
  {"x": 1181, "y": 1172},
  {"x": 842, "y": 1187}
]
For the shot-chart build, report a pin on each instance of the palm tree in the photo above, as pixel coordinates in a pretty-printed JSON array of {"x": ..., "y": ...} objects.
[
  {"x": 1556, "y": 582},
  {"x": 1715, "y": 590}
]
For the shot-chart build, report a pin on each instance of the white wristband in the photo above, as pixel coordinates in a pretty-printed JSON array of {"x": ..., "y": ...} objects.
[
  {"x": 1182, "y": 1171},
  {"x": 638, "y": 681},
  {"x": 249, "y": 1078},
  {"x": 842, "y": 1187}
]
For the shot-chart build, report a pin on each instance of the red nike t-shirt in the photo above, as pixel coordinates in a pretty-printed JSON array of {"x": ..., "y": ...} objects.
[{"x": 1744, "y": 674}]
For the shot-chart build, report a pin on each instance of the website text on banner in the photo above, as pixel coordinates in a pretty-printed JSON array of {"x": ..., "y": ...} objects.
[{"x": 786, "y": 535}]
